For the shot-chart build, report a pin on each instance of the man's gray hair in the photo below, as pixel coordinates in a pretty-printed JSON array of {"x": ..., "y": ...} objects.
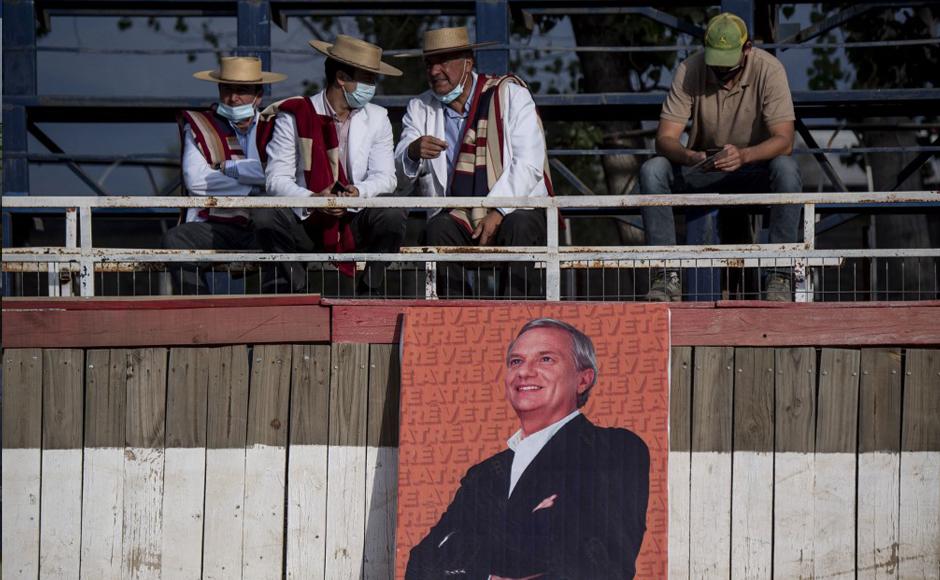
[{"x": 582, "y": 348}]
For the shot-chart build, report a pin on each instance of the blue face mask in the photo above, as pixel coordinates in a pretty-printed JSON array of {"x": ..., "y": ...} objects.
[
  {"x": 454, "y": 93},
  {"x": 361, "y": 96},
  {"x": 239, "y": 113}
]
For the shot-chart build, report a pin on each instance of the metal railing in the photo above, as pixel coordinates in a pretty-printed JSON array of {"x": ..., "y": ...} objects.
[{"x": 80, "y": 255}]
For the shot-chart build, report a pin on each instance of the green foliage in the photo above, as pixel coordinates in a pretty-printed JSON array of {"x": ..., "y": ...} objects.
[
  {"x": 826, "y": 69},
  {"x": 591, "y": 72},
  {"x": 576, "y": 135},
  {"x": 881, "y": 67}
]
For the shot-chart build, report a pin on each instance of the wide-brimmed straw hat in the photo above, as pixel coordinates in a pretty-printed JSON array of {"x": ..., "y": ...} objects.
[
  {"x": 444, "y": 40},
  {"x": 355, "y": 52},
  {"x": 240, "y": 70}
]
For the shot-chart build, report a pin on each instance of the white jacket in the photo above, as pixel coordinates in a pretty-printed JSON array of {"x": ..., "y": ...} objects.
[
  {"x": 369, "y": 165},
  {"x": 240, "y": 176},
  {"x": 523, "y": 148}
]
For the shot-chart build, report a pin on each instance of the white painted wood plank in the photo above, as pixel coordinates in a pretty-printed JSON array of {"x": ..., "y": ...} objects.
[
  {"x": 793, "y": 515},
  {"x": 919, "y": 550},
  {"x": 143, "y": 512},
  {"x": 225, "y": 500},
  {"x": 345, "y": 516},
  {"x": 878, "y": 492},
  {"x": 306, "y": 512},
  {"x": 102, "y": 513},
  {"x": 61, "y": 521},
  {"x": 184, "y": 481},
  {"x": 381, "y": 506},
  {"x": 710, "y": 515},
  {"x": 752, "y": 503},
  {"x": 265, "y": 472},
  {"x": 20, "y": 480},
  {"x": 680, "y": 472},
  {"x": 834, "y": 515}
]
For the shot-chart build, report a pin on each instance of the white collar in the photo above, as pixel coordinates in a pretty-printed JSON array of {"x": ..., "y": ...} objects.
[{"x": 542, "y": 436}]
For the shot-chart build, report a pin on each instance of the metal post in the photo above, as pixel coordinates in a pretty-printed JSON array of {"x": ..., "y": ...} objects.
[
  {"x": 430, "y": 280},
  {"x": 552, "y": 259},
  {"x": 802, "y": 275},
  {"x": 570, "y": 275},
  {"x": 87, "y": 273},
  {"x": 19, "y": 78},
  {"x": 743, "y": 9},
  {"x": 809, "y": 225},
  {"x": 254, "y": 31},
  {"x": 821, "y": 158},
  {"x": 492, "y": 24},
  {"x": 71, "y": 241}
]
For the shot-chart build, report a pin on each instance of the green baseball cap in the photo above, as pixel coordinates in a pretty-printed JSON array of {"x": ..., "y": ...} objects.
[{"x": 725, "y": 36}]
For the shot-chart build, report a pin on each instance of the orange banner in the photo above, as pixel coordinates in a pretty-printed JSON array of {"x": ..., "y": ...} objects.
[{"x": 455, "y": 415}]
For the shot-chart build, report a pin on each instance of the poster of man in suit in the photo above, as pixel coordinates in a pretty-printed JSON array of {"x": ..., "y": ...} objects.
[{"x": 546, "y": 462}]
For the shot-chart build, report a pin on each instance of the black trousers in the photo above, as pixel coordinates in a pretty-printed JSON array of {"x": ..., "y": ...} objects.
[
  {"x": 191, "y": 278},
  {"x": 279, "y": 230},
  {"x": 523, "y": 227}
]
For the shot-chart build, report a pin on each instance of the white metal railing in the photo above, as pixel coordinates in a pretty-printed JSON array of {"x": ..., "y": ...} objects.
[{"x": 79, "y": 248}]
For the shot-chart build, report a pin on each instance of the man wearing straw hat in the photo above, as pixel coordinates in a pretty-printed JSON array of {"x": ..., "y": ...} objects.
[
  {"x": 475, "y": 135},
  {"x": 334, "y": 144},
  {"x": 219, "y": 158},
  {"x": 740, "y": 140}
]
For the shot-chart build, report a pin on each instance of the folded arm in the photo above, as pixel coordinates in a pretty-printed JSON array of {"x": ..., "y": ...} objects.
[{"x": 200, "y": 178}]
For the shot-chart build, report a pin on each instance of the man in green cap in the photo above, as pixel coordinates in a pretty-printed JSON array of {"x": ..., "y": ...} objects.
[{"x": 740, "y": 141}]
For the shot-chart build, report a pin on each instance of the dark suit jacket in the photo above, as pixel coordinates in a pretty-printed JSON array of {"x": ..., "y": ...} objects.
[{"x": 593, "y": 529}]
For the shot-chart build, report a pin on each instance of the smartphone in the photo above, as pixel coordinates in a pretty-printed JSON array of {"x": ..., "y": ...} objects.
[{"x": 711, "y": 155}]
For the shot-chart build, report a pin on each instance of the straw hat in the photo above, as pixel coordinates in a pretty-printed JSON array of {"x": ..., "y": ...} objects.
[
  {"x": 240, "y": 70},
  {"x": 444, "y": 40},
  {"x": 357, "y": 53}
]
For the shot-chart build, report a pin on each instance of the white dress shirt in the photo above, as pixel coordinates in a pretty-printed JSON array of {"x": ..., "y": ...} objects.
[
  {"x": 236, "y": 177},
  {"x": 525, "y": 449},
  {"x": 370, "y": 166}
]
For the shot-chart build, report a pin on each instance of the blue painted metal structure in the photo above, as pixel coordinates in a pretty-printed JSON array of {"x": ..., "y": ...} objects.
[{"x": 23, "y": 108}]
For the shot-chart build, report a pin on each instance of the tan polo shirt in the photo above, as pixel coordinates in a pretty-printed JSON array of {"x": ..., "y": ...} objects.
[{"x": 740, "y": 115}]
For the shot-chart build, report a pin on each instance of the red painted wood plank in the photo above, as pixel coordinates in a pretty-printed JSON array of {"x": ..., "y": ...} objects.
[
  {"x": 695, "y": 324},
  {"x": 158, "y": 302},
  {"x": 25, "y": 328},
  {"x": 281, "y": 319},
  {"x": 812, "y": 305},
  {"x": 807, "y": 326},
  {"x": 372, "y": 324}
]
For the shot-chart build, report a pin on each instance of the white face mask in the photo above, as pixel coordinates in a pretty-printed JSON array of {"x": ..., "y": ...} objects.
[
  {"x": 239, "y": 113},
  {"x": 455, "y": 92},
  {"x": 361, "y": 96}
]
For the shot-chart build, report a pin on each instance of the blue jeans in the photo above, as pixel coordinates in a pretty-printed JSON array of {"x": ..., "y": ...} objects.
[{"x": 780, "y": 175}]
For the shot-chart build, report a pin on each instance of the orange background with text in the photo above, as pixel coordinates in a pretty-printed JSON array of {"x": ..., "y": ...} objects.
[{"x": 454, "y": 413}]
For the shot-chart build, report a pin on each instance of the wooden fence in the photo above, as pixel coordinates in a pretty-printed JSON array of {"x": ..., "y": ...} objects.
[{"x": 268, "y": 460}]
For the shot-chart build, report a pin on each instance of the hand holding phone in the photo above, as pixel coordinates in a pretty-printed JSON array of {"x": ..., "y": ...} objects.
[{"x": 707, "y": 164}]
